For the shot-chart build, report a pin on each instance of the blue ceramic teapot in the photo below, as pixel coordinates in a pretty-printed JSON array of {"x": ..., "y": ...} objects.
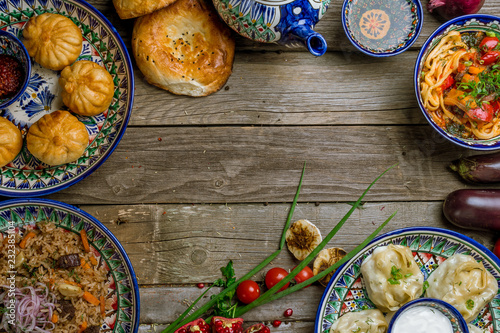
[{"x": 287, "y": 22}]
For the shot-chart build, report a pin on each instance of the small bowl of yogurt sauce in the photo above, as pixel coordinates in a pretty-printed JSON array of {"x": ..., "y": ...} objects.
[{"x": 427, "y": 315}]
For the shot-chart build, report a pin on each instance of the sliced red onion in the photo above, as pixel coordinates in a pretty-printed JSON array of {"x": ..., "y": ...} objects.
[
  {"x": 453, "y": 8},
  {"x": 30, "y": 301}
]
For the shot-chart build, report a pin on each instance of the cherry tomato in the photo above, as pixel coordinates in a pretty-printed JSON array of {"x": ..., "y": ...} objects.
[
  {"x": 248, "y": 291},
  {"x": 490, "y": 57},
  {"x": 488, "y": 44},
  {"x": 304, "y": 275},
  {"x": 275, "y": 275}
]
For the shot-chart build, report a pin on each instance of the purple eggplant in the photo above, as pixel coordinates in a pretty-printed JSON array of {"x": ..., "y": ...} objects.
[
  {"x": 473, "y": 209},
  {"x": 478, "y": 168}
]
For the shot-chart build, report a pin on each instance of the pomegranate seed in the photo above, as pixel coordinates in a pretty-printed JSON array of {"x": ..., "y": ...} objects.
[
  {"x": 201, "y": 285},
  {"x": 288, "y": 312},
  {"x": 182, "y": 330},
  {"x": 276, "y": 323}
]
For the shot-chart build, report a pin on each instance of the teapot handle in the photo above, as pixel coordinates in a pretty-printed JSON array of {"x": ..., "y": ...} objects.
[{"x": 314, "y": 41}]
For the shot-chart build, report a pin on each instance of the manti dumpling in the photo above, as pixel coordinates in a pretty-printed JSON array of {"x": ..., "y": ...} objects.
[
  {"x": 57, "y": 138},
  {"x": 392, "y": 277},
  {"x": 87, "y": 88},
  {"x": 365, "y": 321},
  {"x": 53, "y": 40},
  {"x": 464, "y": 283},
  {"x": 11, "y": 141}
]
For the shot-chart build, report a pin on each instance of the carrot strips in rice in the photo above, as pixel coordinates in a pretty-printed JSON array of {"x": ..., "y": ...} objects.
[
  {"x": 90, "y": 298},
  {"x": 28, "y": 236},
  {"x": 85, "y": 240}
]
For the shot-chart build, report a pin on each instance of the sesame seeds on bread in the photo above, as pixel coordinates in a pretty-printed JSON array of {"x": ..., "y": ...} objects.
[{"x": 184, "y": 48}]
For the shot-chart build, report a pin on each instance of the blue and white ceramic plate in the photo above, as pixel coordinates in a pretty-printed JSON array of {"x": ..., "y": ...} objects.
[
  {"x": 122, "y": 283},
  {"x": 382, "y": 28},
  {"x": 27, "y": 176},
  {"x": 430, "y": 246}
]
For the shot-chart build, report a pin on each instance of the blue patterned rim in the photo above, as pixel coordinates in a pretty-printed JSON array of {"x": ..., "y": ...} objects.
[
  {"x": 97, "y": 159},
  {"x": 491, "y": 144},
  {"x": 109, "y": 236},
  {"x": 365, "y": 50},
  {"x": 454, "y": 314},
  {"x": 318, "y": 325},
  {"x": 27, "y": 65}
]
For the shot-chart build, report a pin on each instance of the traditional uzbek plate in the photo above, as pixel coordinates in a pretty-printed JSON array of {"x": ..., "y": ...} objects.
[
  {"x": 122, "y": 281},
  {"x": 382, "y": 28},
  {"x": 27, "y": 176},
  {"x": 430, "y": 246}
]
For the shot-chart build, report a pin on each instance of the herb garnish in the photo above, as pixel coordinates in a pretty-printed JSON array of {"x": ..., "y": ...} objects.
[
  {"x": 396, "y": 275},
  {"x": 469, "y": 304},
  {"x": 489, "y": 83}
]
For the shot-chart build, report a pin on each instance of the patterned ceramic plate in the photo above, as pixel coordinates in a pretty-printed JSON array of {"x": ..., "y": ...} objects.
[
  {"x": 382, "y": 28},
  {"x": 26, "y": 176},
  {"x": 122, "y": 283},
  {"x": 430, "y": 246}
]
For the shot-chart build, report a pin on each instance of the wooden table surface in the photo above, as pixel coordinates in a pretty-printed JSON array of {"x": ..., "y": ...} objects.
[{"x": 196, "y": 182}]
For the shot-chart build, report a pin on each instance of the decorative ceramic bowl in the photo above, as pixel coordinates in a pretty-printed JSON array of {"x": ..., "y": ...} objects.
[
  {"x": 287, "y": 22},
  {"x": 430, "y": 246},
  {"x": 457, "y": 322},
  {"x": 465, "y": 23},
  {"x": 27, "y": 176},
  {"x": 11, "y": 46},
  {"x": 122, "y": 283},
  {"x": 382, "y": 28}
]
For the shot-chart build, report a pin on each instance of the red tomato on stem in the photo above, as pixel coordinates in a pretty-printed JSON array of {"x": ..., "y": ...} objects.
[
  {"x": 275, "y": 275},
  {"x": 304, "y": 275},
  {"x": 248, "y": 291}
]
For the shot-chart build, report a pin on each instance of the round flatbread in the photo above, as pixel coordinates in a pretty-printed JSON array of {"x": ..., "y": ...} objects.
[{"x": 184, "y": 48}]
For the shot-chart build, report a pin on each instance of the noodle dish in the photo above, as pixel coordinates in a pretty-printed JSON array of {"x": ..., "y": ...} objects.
[{"x": 458, "y": 81}]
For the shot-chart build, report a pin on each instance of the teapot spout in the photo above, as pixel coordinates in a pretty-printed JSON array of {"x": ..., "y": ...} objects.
[{"x": 314, "y": 42}]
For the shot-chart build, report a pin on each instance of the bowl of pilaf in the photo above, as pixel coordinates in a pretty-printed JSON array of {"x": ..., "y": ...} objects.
[{"x": 61, "y": 270}]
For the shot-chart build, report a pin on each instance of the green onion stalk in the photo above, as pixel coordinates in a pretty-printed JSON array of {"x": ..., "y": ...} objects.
[{"x": 272, "y": 294}]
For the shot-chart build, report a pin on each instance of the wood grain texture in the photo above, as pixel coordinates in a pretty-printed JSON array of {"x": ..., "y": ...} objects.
[
  {"x": 187, "y": 244},
  {"x": 155, "y": 300},
  {"x": 263, "y": 164},
  {"x": 285, "y": 327},
  {"x": 293, "y": 89}
]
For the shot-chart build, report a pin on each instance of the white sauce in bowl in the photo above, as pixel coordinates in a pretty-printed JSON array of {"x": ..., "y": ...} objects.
[{"x": 422, "y": 319}]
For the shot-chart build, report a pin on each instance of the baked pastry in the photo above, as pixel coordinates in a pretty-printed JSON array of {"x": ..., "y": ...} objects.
[
  {"x": 53, "y": 40},
  {"x": 11, "y": 141},
  {"x": 57, "y": 138},
  {"x": 87, "y": 88},
  {"x": 184, "y": 48},
  {"x": 134, "y": 8}
]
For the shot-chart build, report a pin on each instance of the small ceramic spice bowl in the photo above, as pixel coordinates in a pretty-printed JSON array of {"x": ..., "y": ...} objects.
[
  {"x": 428, "y": 315},
  {"x": 15, "y": 68},
  {"x": 382, "y": 28}
]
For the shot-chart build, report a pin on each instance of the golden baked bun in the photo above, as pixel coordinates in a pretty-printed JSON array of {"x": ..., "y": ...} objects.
[
  {"x": 53, "y": 40},
  {"x": 11, "y": 141},
  {"x": 134, "y": 8},
  {"x": 87, "y": 88},
  {"x": 57, "y": 138},
  {"x": 184, "y": 48}
]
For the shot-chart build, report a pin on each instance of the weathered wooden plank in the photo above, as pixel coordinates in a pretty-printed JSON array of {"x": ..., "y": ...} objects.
[
  {"x": 187, "y": 244},
  {"x": 293, "y": 89},
  {"x": 330, "y": 27},
  {"x": 262, "y": 164},
  {"x": 165, "y": 304},
  {"x": 285, "y": 327}
]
